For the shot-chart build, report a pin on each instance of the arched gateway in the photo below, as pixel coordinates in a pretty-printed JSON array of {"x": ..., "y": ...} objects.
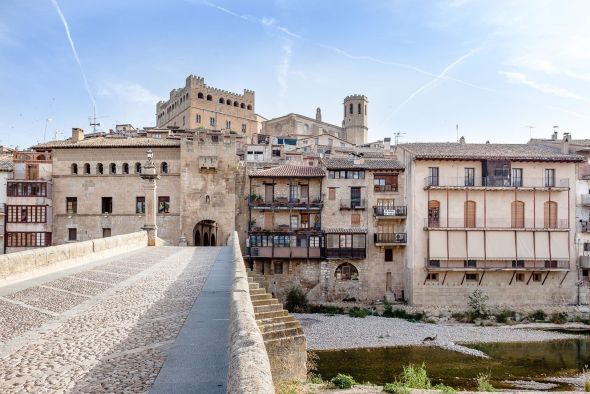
[{"x": 205, "y": 233}]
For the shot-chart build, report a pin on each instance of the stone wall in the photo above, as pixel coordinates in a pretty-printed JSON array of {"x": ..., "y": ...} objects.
[
  {"x": 42, "y": 260},
  {"x": 249, "y": 368}
]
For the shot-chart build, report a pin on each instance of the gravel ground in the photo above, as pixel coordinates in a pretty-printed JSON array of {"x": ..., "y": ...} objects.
[
  {"x": 114, "y": 338},
  {"x": 344, "y": 332}
]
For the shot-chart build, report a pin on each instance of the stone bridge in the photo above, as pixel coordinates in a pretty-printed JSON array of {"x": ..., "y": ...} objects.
[{"x": 113, "y": 315}]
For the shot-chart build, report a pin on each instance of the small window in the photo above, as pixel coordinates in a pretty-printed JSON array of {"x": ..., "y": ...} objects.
[
  {"x": 125, "y": 168},
  {"x": 212, "y": 121},
  {"x": 537, "y": 277},
  {"x": 520, "y": 277},
  {"x": 549, "y": 177},
  {"x": 470, "y": 263},
  {"x": 388, "y": 254},
  {"x": 139, "y": 204},
  {"x": 517, "y": 263},
  {"x": 209, "y": 97},
  {"x": 243, "y": 126},
  {"x": 355, "y": 219},
  {"x": 164, "y": 167},
  {"x": 278, "y": 267},
  {"x": 249, "y": 106},
  {"x": 346, "y": 271},
  {"x": 106, "y": 232},
  {"x": 74, "y": 169},
  {"x": 434, "y": 263},
  {"x": 198, "y": 118},
  {"x": 228, "y": 102},
  {"x": 331, "y": 193},
  {"x": 551, "y": 264},
  {"x": 163, "y": 204},
  {"x": 107, "y": 204},
  {"x": 221, "y": 100},
  {"x": 113, "y": 168},
  {"x": 138, "y": 168},
  {"x": 471, "y": 277},
  {"x": 228, "y": 124},
  {"x": 72, "y": 234},
  {"x": 71, "y": 205},
  {"x": 99, "y": 168},
  {"x": 86, "y": 168},
  {"x": 200, "y": 95},
  {"x": 432, "y": 277}
]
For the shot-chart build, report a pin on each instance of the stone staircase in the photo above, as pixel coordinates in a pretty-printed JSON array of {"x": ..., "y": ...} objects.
[{"x": 282, "y": 333}]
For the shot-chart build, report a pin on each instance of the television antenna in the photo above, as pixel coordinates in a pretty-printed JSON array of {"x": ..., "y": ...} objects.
[
  {"x": 56, "y": 133},
  {"x": 397, "y": 135},
  {"x": 93, "y": 119},
  {"x": 530, "y": 130}
]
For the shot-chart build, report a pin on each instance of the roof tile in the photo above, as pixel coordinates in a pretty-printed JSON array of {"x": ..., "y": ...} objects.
[{"x": 286, "y": 171}]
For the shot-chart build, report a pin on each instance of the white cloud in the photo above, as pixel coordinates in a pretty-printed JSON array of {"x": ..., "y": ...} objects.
[
  {"x": 128, "y": 91},
  {"x": 522, "y": 79},
  {"x": 283, "y": 70}
]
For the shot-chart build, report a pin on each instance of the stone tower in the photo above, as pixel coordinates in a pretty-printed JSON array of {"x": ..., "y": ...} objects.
[
  {"x": 355, "y": 123},
  {"x": 318, "y": 114}
]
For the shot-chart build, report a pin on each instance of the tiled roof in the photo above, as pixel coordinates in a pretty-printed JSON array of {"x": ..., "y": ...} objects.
[
  {"x": 369, "y": 164},
  {"x": 104, "y": 142},
  {"x": 286, "y": 171},
  {"x": 346, "y": 230},
  {"x": 453, "y": 150},
  {"x": 6, "y": 163}
]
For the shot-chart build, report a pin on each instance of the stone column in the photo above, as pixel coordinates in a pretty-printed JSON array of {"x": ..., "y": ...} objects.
[{"x": 150, "y": 176}]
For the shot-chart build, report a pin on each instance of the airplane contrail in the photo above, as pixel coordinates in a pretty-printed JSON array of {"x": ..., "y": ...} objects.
[
  {"x": 437, "y": 78},
  {"x": 67, "y": 29}
]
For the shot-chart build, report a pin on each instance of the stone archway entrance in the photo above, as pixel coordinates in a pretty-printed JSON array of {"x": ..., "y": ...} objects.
[{"x": 205, "y": 233}]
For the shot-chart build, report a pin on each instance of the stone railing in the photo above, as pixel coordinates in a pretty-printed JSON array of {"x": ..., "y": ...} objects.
[
  {"x": 35, "y": 262},
  {"x": 249, "y": 366}
]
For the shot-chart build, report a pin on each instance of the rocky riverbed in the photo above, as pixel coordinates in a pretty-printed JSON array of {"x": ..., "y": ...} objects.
[{"x": 325, "y": 332}]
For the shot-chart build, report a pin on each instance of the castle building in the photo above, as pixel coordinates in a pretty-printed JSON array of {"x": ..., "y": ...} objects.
[{"x": 198, "y": 105}]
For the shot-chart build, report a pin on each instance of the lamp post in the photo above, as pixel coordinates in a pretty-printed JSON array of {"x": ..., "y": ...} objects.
[{"x": 150, "y": 175}]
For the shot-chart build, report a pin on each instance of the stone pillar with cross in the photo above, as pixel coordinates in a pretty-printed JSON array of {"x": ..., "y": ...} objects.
[{"x": 149, "y": 174}]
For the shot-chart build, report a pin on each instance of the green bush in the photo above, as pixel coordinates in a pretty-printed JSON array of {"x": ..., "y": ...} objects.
[
  {"x": 396, "y": 388},
  {"x": 358, "y": 312},
  {"x": 483, "y": 382},
  {"x": 477, "y": 301},
  {"x": 415, "y": 377},
  {"x": 559, "y": 318},
  {"x": 296, "y": 300},
  {"x": 325, "y": 309},
  {"x": 343, "y": 381},
  {"x": 402, "y": 314},
  {"x": 538, "y": 315},
  {"x": 504, "y": 315}
]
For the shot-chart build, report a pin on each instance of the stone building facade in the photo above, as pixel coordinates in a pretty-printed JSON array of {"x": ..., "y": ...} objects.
[{"x": 198, "y": 105}]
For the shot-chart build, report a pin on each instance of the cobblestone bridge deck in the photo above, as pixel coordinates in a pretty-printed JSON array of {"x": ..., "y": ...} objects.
[{"x": 106, "y": 326}]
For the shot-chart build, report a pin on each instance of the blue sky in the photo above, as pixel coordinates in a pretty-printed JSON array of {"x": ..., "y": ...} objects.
[{"x": 493, "y": 67}]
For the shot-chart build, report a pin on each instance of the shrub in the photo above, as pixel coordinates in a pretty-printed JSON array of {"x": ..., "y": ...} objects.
[
  {"x": 415, "y": 377},
  {"x": 358, "y": 312},
  {"x": 402, "y": 314},
  {"x": 296, "y": 300},
  {"x": 538, "y": 315},
  {"x": 396, "y": 388},
  {"x": 559, "y": 317},
  {"x": 477, "y": 301},
  {"x": 289, "y": 388},
  {"x": 316, "y": 379},
  {"x": 343, "y": 381},
  {"x": 503, "y": 315},
  {"x": 326, "y": 309},
  {"x": 483, "y": 382}
]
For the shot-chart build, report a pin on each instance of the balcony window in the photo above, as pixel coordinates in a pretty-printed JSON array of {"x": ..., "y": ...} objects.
[
  {"x": 550, "y": 214},
  {"x": 469, "y": 176},
  {"x": 71, "y": 205},
  {"x": 355, "y": 197},
  {"x": 139, "y": 204},
  {"x": 517, "y": 214},
  {"x": 163, "y": 204},
  {"x": 432, "y": 176},
  {"x": 107, "y": 204},
  {"x": 27, "y": 189},
  {"x": 517, "y": 263},
  {"x": 469, "y": 214},
  {"x": 28, "y": 239},
  {"x": 433, "y": 213},
  {"x": 470, "y": 263},
  {"x": 434, "y": 263},
  {"x": 517, "y": 177},
  {"x": 549, "y": 177},
  {"x": 385, "y": 183}
]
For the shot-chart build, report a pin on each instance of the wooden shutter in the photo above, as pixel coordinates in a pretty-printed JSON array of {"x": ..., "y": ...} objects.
[
  {"x": 268, "y": 220},
  {"x": 469, "y": 213},
  {"x": 332, "y": 193},
  {"x": 550, "y": 214},
  {"x": 517, "y": 214},
  {"x": 355, "y": 219}
]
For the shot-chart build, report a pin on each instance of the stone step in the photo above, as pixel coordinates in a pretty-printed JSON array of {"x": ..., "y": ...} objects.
[
  {"x": 279, "y": 326},
  {"x": 257, "y": 291},
  {"x": 279, "y": 319},
  {"x": 254, "y": 286},
  {"x": 261, "y": 296},
  {"x": 270, "y": 315},
  {"x": 292, "y": 332},
  {"x": 269, "y": 301},
  {"x": 268, "y": 308}
]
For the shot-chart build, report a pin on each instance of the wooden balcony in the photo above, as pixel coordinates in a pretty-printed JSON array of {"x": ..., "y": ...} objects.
[{"x": 390, "y": 239}]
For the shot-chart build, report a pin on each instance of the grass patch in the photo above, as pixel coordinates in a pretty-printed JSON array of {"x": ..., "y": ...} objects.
[
  {"x": 538, "y": 315},
  {"x": 483, "y": 382},
  {"x": 289, "y": 388},
  {"x": 504, "y": 315},
  {"x": 358, "y": 312},
  {"x": 415, "y": 378},
  {"x": 343, "y": 381},
  {"x": 558, "y": 318}
]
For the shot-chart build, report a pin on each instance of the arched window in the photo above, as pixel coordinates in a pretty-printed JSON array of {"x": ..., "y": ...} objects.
[
  {"x": 200, "y": 95},
  {"x": 221, "y": 100},
  {"x": 99, "y": 168},
  {"x": 550, "y": 214},
  {"x": 125, "y": 168},
  {"x": 517, "y": 214},
  {"x": 74, "y": 169},
  {"x": 350, "y": 109},
  {"x": 86, "y": 168},
  {"x": 209, "y": 97},
  {"x": 242, "y": 105},
  {"x": 249, "y": 106},
  {"x": 346, "y": 271},
  {"x": 469, "y": 214},
  {"x": 228, "y": 102},
  {"x": 236, "y": 104},
  {"x": 138, "y": 168},
  {"x": 365, "y": 110},
  {"x": 113, "y": 168},
  {"x": 207, "y": 199},
  {"x": 359, "y": 108},
  {"x": 433, "y": 213},
  {"x": 164, "y": 167}
]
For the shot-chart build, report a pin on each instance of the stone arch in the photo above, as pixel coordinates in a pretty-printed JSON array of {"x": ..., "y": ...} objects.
[
  {"x": 206, "y": 239},
  {"x": 346, "y": 271},
  {"x": 206, "y": 233},
  {"x": 197, "y": 237},
  {"x": 209, "y": 97},
  {"x": 242, "y": 105},
  {"x": 212, "y": 240},
  {"x": 74, "y": 169},
  {"x": 249, "y": 107},
  {"x": 200, "y": 95},
  {"x": 228, "y": 102},
  {"x": 221, "y": 100}
]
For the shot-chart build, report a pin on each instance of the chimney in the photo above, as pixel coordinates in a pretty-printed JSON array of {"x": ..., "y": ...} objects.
[
  {"x": 462, "y": 140},
  {"x": 554, "y": 136},
  {"x": 565, "y": 143},
  {"x": 387, "y": 143},
  {"x": 318, "y": 114},
  {"x": 77, "y": 134}
]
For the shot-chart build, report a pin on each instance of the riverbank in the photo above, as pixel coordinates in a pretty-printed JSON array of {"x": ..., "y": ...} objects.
[{"x": 325, "y": 332}]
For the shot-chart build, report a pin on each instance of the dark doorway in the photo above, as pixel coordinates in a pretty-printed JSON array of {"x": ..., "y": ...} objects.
[{"x": 206, "y": 233}]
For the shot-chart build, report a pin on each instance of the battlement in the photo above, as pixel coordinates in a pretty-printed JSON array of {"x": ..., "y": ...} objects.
[{"x": 356, "y": 97}]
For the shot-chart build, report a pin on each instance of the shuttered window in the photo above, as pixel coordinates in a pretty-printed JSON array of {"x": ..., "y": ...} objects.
[
  {"x": 331, "y": 193},
  {"x": 433, "y": 213},
  {"x": 268, "y": 220},
  {"x": 355, "y": 219},
  {"x": 550, "y": 214},
  {"x": 469, "y": 213},
  {"x": 517, "y": 214}
]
